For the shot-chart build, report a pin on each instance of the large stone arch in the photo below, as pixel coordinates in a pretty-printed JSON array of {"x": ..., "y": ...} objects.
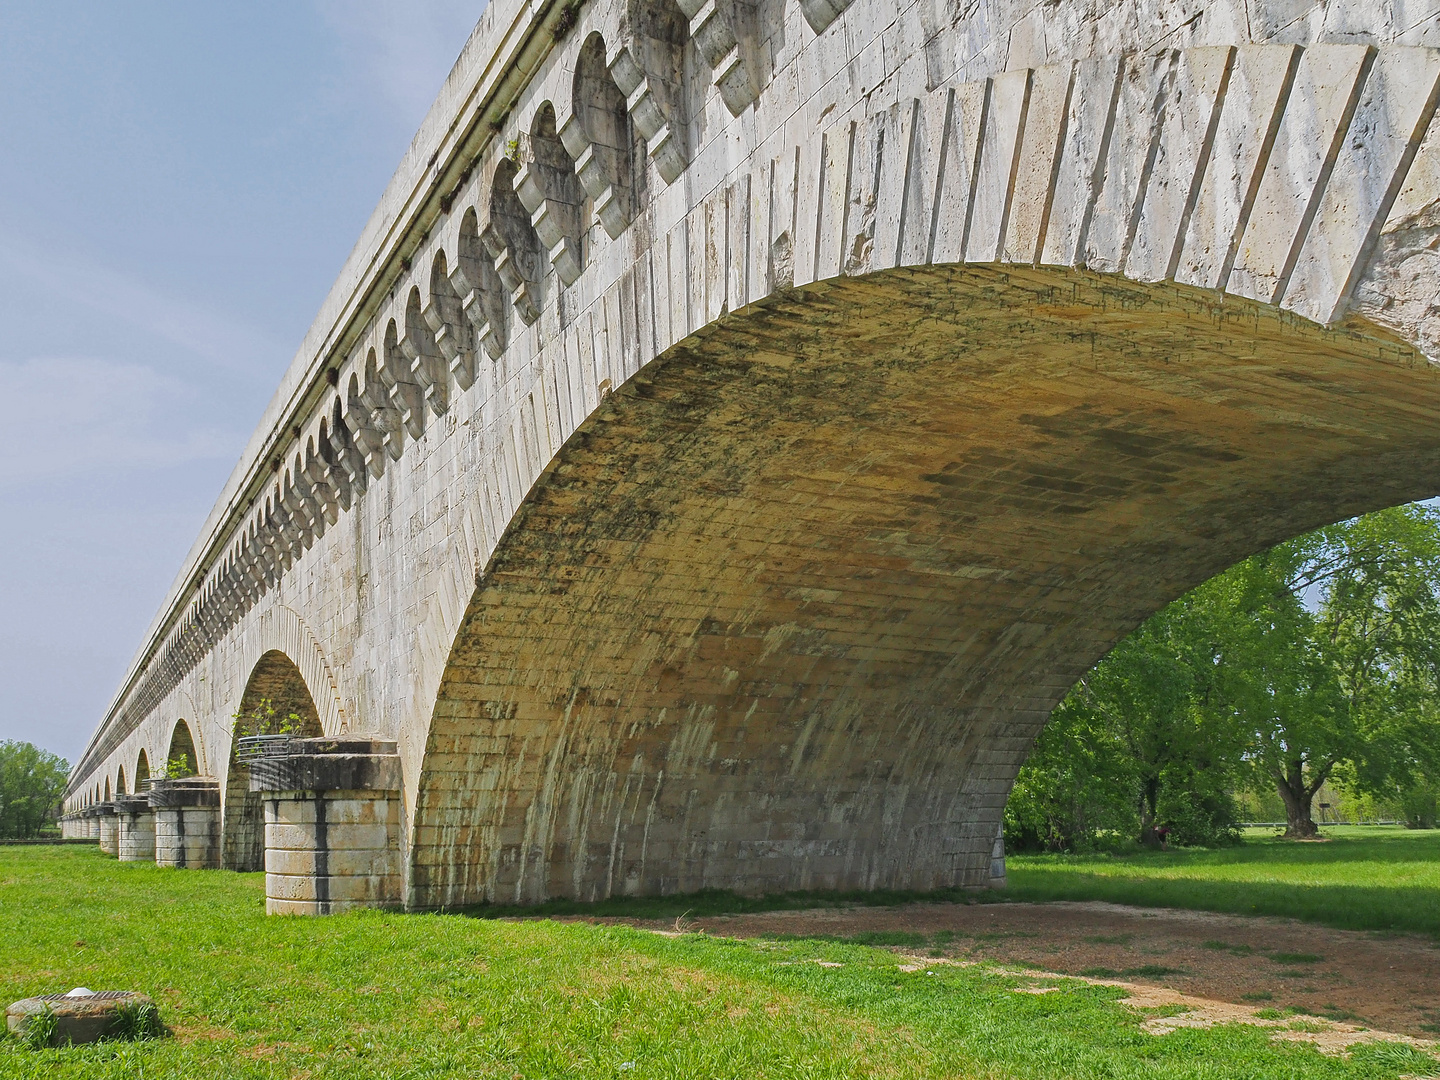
[
  {"x": 141, "y": 771},
  {"x": 276, "y": 700},
  {"x": 789, "y": 609},
  {"x": 278, "y": 628},
  {"x": 1065, "y": 154}
]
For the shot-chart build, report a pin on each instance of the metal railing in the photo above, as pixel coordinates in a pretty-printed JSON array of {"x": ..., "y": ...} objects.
[{"x": 253, "y": 747}]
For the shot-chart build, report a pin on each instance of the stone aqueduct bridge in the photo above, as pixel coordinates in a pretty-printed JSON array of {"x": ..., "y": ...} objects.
[{"x": 740, "y": 423}]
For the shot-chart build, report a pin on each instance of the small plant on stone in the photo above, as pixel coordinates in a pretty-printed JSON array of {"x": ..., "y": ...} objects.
[
  {"x": 177, "y": 767},
  {"x": 136, "y": 1021},
  {"x": 39, "y": 1030},
  {"x": 265, "y": 719}
]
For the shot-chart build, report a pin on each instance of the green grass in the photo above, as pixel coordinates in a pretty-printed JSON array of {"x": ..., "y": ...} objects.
[
  {"x": 373, "y": 994},
  {"x": 1361, "y": 878}
]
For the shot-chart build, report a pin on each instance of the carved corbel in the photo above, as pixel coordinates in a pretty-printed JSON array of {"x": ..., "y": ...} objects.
[
  {"x": 481, "y": 297},
  {"x": 427, "y": 362},
  {"x": 298, "y": 528},
  {"x": 511, "y": 241},
  {"x": 334, "y": 474},
  {"x": 304, "y": 503},
  {"x": 821, "y": 13},
  {"x": 396, "y": 371},
  {"x": 372, "y": 420},
  {"x": 446, "y": 318},
  {"x": 597, "y": 136},
  {"x": 648, "y": 68},
  {"x": 547, "y": 187},
  {"x": 723, "y": 30},
  {"x": 317, "y": 474},
  {"x": 350, "y": 469},
  {"x": 272, "y": 544}
]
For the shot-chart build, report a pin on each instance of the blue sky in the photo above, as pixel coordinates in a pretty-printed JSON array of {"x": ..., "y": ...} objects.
[{"x": 179, "y": 185}]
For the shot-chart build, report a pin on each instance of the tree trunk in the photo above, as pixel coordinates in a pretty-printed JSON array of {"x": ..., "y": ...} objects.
[
  {"x": 1296, "y": 795},
  {"x": 1149, "y": 799}
]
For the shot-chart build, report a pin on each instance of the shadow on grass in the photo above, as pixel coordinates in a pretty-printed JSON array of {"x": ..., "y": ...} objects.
[
  {"x": 1133, "y": 880},
  {"x": 712, "y": 902}
]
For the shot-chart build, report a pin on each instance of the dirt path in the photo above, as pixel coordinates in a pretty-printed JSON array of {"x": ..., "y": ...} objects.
[{"x": 1386, "y": 982}]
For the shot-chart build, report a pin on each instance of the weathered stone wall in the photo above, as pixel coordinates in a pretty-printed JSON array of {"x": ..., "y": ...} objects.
[{"x": 918, "y": 499}]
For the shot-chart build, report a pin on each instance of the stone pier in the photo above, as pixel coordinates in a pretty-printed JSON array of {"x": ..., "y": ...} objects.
[
  {"x": 92, "y": 823},
  {"x": 187, "y": 822},
  {"x": 135, "y": 839},
  {"x": 332, "y": 826},
  {"x": 108, "y": 826}
]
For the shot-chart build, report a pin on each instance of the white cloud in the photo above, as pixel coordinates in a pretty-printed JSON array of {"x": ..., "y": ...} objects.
[
  {"x": 406, "y": 49},
  {"x": 73, "y": 416}
]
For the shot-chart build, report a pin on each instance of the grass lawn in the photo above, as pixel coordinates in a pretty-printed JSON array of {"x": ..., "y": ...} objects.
[
  {"x": 1359, "y": 878},
  {"x": 373, "y": 994}
]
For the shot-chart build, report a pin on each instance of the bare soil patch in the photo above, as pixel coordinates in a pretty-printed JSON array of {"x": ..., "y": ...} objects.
[{"x": 1355, "y": 979}]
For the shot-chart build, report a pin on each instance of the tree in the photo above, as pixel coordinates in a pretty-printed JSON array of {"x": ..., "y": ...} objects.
[
  {"x": 1380, "y": 622},
  {"x": 32, "y": 782},
  {"x": 1328, "y": 650},
  {"x": 1319, "y": 657},
  {"x": 1134, "y": 745}
]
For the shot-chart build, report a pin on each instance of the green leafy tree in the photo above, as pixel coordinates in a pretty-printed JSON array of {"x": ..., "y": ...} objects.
[
  {"x": 1380, "y": 625},
  {"x": 1318, "y": 658},
  {"x": 1076, "y": 786},
  {"x": 1329, "y": 656},
  {"x": 32, "y": 783},
  {"x": 1133, "y": 746}
]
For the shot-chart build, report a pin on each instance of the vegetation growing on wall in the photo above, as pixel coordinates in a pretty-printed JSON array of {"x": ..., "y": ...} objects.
[{"x": 265, "y": 719}]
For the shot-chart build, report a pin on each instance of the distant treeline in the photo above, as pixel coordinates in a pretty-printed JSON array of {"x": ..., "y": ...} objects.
[
  {"x": 1315, "y": 662},
  {"x": 32, "y": 782}
]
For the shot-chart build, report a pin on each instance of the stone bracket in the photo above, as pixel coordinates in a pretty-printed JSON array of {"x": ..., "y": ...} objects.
[
  {"x": 546, "y": 186},
  {"x": 722, "y": 30},
  {"x": 649, "y": 71},
  {"x": 821, "y": 13}
]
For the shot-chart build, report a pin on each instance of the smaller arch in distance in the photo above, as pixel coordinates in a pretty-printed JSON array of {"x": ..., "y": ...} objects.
[
  {"x": 182, "y": 741},
  {"x": 141, "y": 772}
]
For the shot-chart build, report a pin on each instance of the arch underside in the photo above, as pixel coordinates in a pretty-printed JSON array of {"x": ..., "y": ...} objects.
[
  {"x": 276, "y": 696},
  {"x": 788, "y": 611}
]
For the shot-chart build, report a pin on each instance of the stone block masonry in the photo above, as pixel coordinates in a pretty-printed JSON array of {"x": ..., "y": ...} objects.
[
  {"x": 187, "y": 823},
  {"x": 136, "y": 837},
  {"x": 109, "y": 829},
  {"x": 332, "y": 826},
  {"x": 739, "y": 425}
]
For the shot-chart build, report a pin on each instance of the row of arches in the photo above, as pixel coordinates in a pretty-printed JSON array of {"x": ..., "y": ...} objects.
[
  {"x": 576, "y": 158},
  {"x": 276, "y": 699}
]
